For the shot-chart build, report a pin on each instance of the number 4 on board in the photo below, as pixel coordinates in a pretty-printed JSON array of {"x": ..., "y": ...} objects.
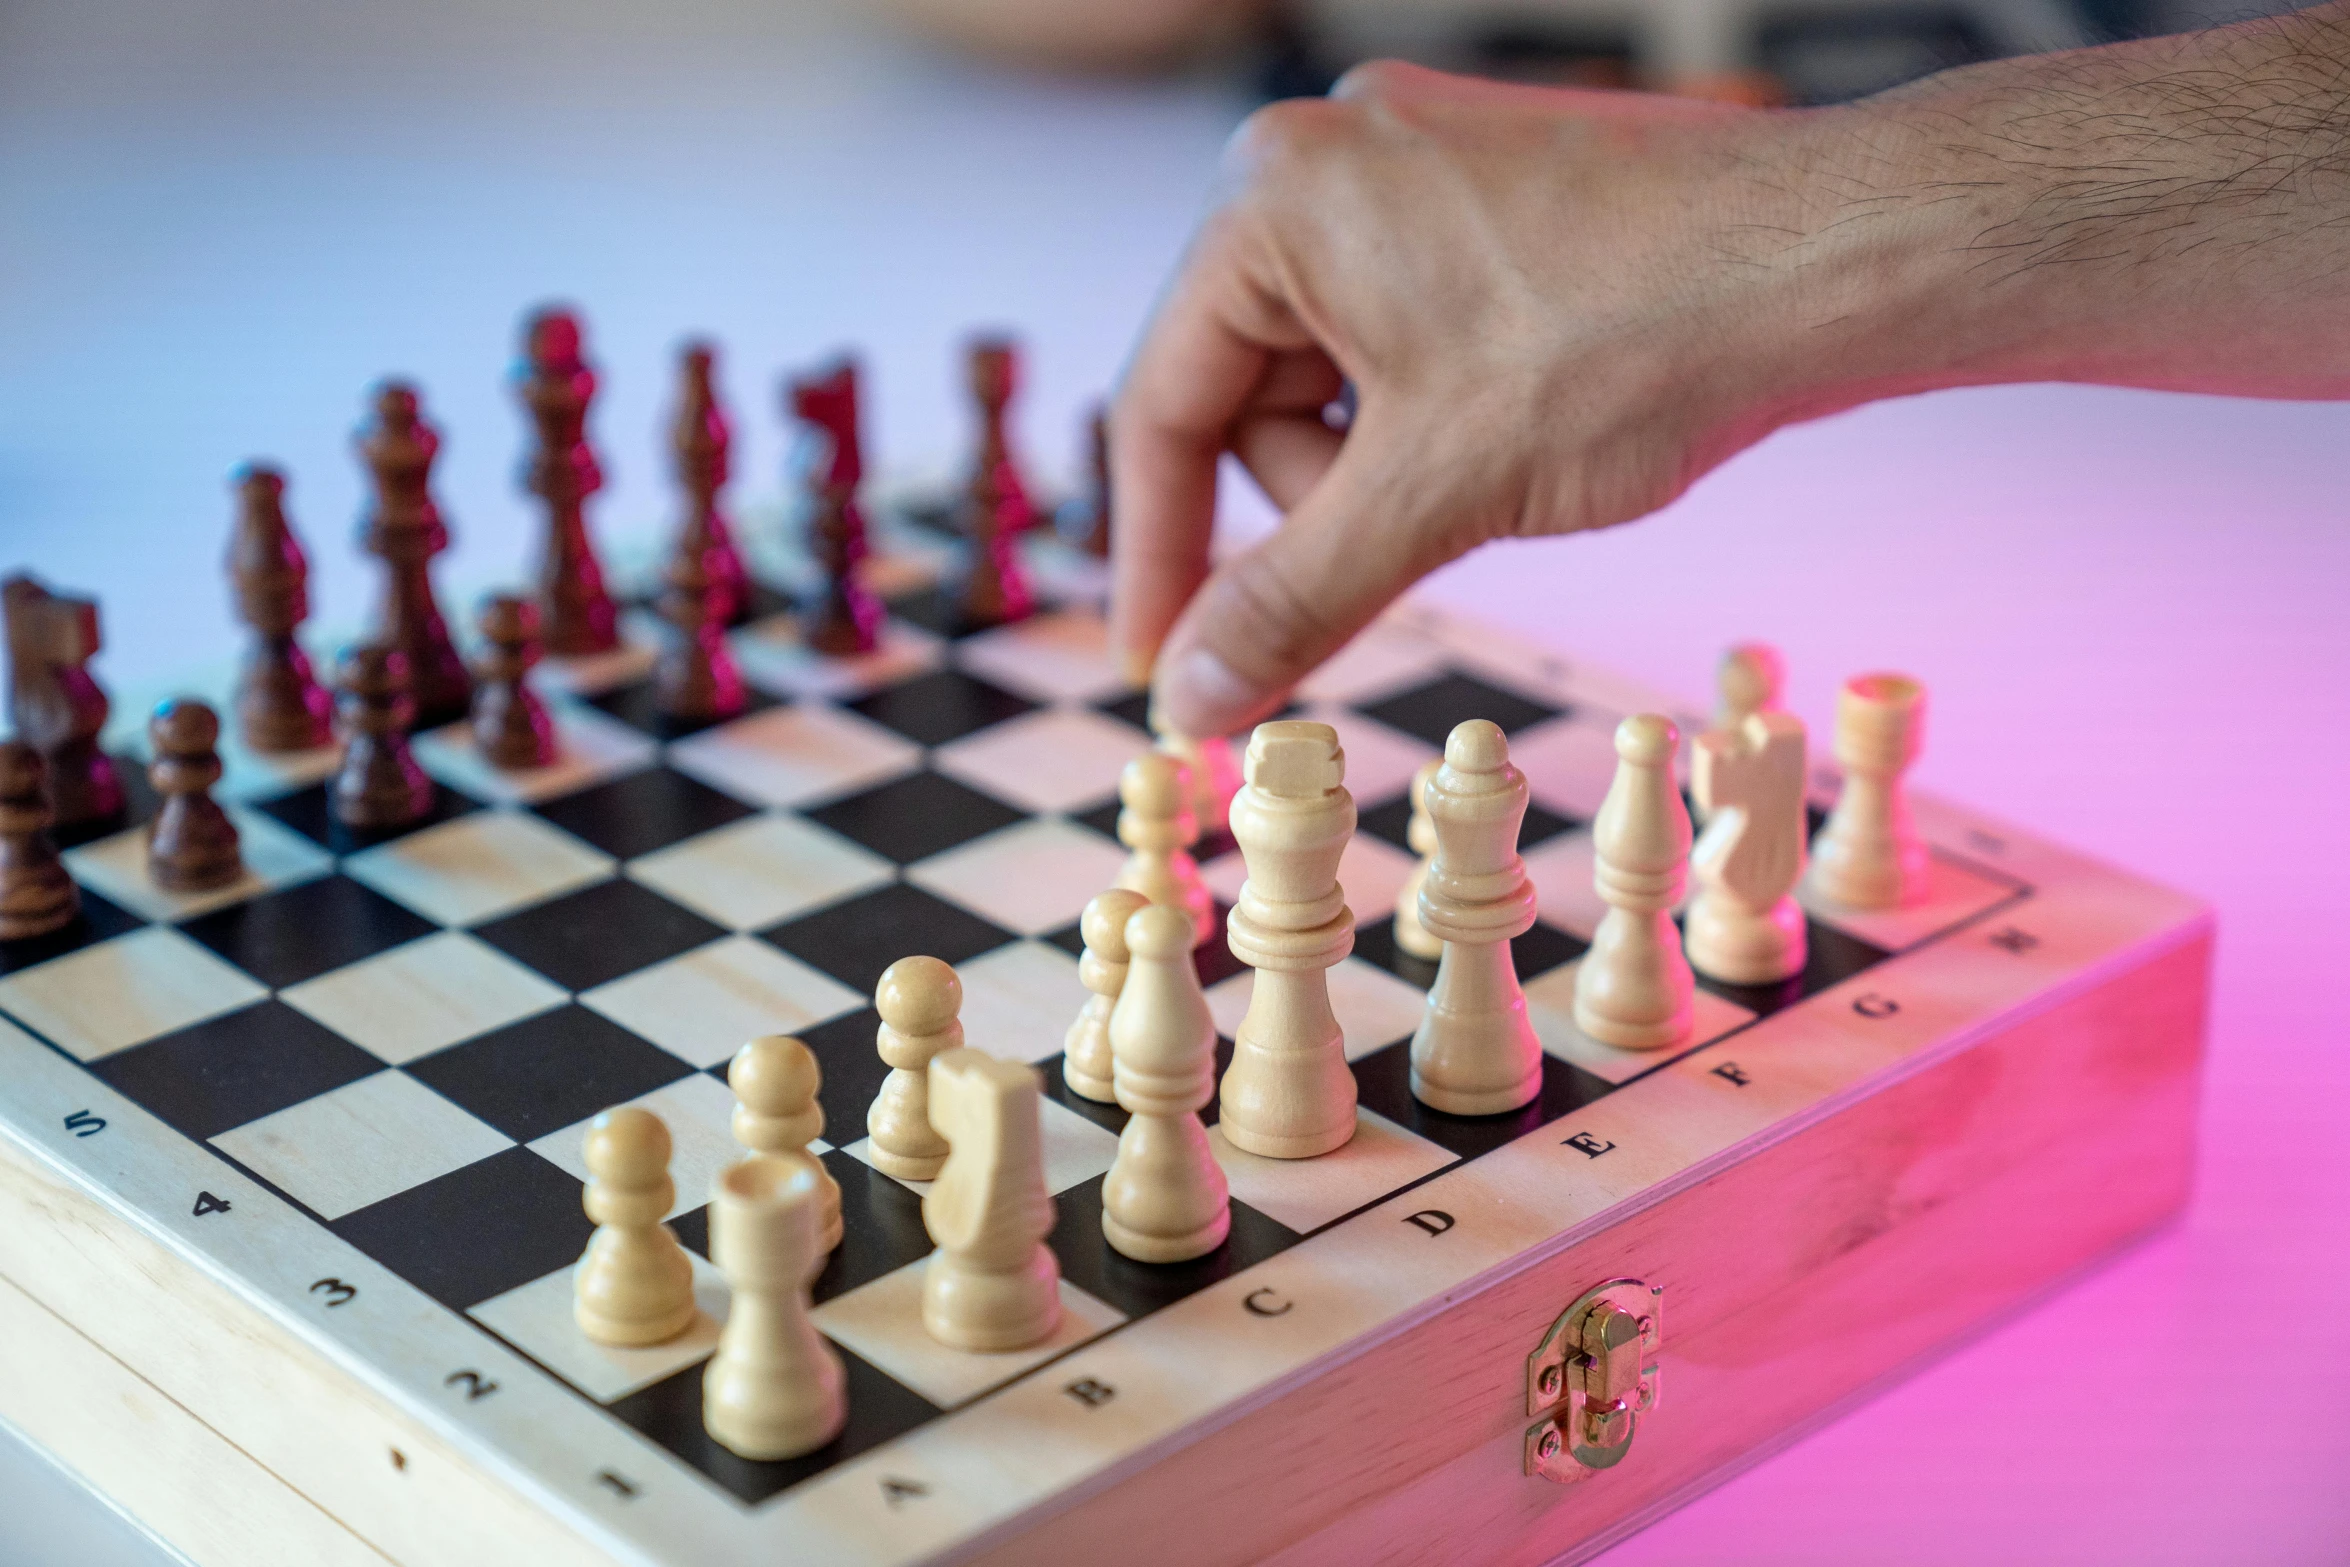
[{"x": 207, "y": 1203}]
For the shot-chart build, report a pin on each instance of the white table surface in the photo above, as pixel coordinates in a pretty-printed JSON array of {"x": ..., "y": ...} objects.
[{"x": 220, "y": 219}]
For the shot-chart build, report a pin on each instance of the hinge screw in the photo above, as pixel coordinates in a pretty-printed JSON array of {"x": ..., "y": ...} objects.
[
  {"x": 1548, "y": 1447},
  {"x": 1550, "y": 1381}
]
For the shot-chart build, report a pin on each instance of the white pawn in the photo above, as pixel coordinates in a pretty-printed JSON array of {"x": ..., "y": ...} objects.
[
  {"x": 1752, "y": 678},
  {"x": 633, "y": 1284},
  {"x": 992, "y": 1284},
  {"x": 774, "y": 1389},
  {"x": 1634, "y": 989},
  {"x": 1165, "y": 1198},
  {"x": 918, "y": 999},
  {"x": 1869, "y": 855},
  {"x": 1085, "y": 1051},
  {"x": 1288, "y": 1093},
  {"x": 1157, "y": 824},
  {"x": 1476, "y": 1052},
  {"x": 1744, "y": 927},
  {"x": 1214, "y": 778},
  {"x": 775, "y": 1080},
  {"x": 1410, "y": 935}
]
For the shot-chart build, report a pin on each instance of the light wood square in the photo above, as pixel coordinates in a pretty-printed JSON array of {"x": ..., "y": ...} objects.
[
  {"x": 1371, "y": 870},
  {"x": 361, "y": 1143},
  {"x": 1379, "y": 761},
  {"x": 423, "y": 996},
  {"x": 703, "y": 1005},
  {"x": 1373, "y": 1006},
  {"x": 1306, "y": 1194},
  {"x": 1063, "y": 656},
  {"x": 592, "y": 674},
  {"x": 1550, "y": 1004},
  {"x": 754, "y": 872},
  {"x": 1953, "y": 894},
  {"x": 791, "y": 755},
  {"x": 593, "y": 747},
  {"x": 882, "y": 1323},
  {"x": 1569, "y": 762},
  {"x": 537, "y": 1319},
  {"x": 1382, "y": 659},
  {"x": 1075, "y": 1149},
  {"x": 1031, "y": 877},
  {"x": 1019, "y": 1000},
  {"x": 124, "y": 992},
  {"x": 256, "y": 775},
  {"x": 1052, "y": 760},
  {"x": 1562, "y": 871},
  {"x": 773, "y": 657},
  {"x": 479, "y": 866},
  {"x": 275, "y": 856},
  {"x": 699, "y": 1112}
]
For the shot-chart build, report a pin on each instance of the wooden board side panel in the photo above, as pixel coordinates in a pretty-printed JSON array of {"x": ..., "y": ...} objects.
[{"x": 1905, "y": 1219}]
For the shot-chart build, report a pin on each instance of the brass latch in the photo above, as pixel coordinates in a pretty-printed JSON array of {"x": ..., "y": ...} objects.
[{"x": 1591, "y": 1377}]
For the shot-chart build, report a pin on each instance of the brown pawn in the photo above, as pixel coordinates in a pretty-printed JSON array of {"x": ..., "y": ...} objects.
[
  {"x": 379, "y": 785},
  {"x": 993, "y": 366},
  {"x": 511, "y": 728},
  {"x": 53, "y": 702},
  {"x": 280, "y": 705},
  {"x": 557, "y": 386},
  {"x": 701, "y": 440},
  {"x": 36, "y": 895},
  {"x": 404, "y": 529},
  {"x": 840, "y": 614},
  {"x": 695, "y": 681},
  {"x": 192, "y": 845}
]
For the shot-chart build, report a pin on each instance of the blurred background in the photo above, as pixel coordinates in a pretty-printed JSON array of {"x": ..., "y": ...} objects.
[{"x": 222, "y": 220}]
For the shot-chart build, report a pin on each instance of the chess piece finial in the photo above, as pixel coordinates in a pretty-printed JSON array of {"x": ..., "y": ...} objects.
[
  {"x": 1752, "y": 678},
  {"x": 378, "y": 786},
  {"x": 191, "y": 845},
  {"x": 992, "y": 365},
  {"x": 404, "y": 529},
  {"x": 700, "y": 441},
  {"x": 53, "y": 701},
  {"x": 1743, "y": 925},
  {"x": 1869, "y": 854},
  {"x": 1086, "y": 1059},
  {"x": 1476, "y": 1052},
  {"x": 1410, "y": 935},
  {"x": 1288, "y": 1093},
  {"x": 280, "y": 705},
  {"x": 1165, "y": 1198},
  {"x": 918, "y": 999},
  {"x": 774, "y": 1389},
  {"x": 557, "y": 387},
  {"x": 993, "y": 1284},
  {"x": 36, "y": 894},
  {"x": 1156, "y": 824},
  {"x": 1634, "y": 989},
  {"x": 695, "y": 680},
  {"x": 633, "y": 1284},
  {"x": 511, "y": 726},
  {"x": 840, "y": 614},
  {"x": 775, "y": 1079}
]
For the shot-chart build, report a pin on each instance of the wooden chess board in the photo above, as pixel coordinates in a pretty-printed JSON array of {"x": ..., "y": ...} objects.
[{"x": 290, "y": 1172}]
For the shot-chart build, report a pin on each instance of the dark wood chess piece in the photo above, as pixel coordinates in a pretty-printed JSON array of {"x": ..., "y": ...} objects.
[
  {"x": 511, "y": 728},
  {"x": 404, "y": 529},
  {"x": 191, "y": 845},
  {"x": 701, "y": 441},
  {"x": 557, "y": 387},
  {"x": 839, "y": 615},
  {"x": 379, "y": 785},
  {"x": 1094, "y": 534},
  {"x": 695, "y": 680},
  {"x": 54, "y": 703},
  {"x": 991, "y": 587},
  {"x": 36, "y": 894},
  {"x": 279, "y": 703},
  {"x": 992, "y": 365}
]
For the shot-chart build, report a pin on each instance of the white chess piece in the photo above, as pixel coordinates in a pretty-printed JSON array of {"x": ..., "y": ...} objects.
[
  {"x": 1743, "y": 926},
  {"x": 775, "y": 1080},
  {"x": 1633, "y": 989},
  {"x": 1085, "y": 1050},
  {"x": 1214, "y": 778},
  {"x": 1476, "y": 1052},
  {"x": 1288, "y": 1093},
  {"x": 1156, "y": 823},
  {"x": 1752, "y": 678},
  {"x": 774, "y": 1389},
  {"x": 1410, "y": 935},
  {"x": 918, "y": 999},
  {"x": 1869, "y": 854},
  {"x": 1165, "y": 1198},
  {"x": 992, "y": 1284},
  {"x": 633, "y": 1284}
]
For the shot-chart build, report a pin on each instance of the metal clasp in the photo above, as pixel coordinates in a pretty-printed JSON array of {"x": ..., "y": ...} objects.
[{"x": 1590, "y": 1379}]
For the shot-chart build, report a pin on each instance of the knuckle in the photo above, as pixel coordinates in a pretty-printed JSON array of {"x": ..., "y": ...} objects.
[
  {"x": 1285, "y": 133},
  {"x": 1372, "y": 81}
]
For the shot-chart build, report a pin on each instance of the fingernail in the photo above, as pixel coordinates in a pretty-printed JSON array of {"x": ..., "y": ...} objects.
[{"x": 1202, "y": 696}]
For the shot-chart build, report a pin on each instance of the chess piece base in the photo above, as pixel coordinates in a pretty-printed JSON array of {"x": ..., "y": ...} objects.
[
  {"x": 991, "y": 1313},
  {"x": 1167, "y": 1248},
  {"x": 1736, "y": 947}
]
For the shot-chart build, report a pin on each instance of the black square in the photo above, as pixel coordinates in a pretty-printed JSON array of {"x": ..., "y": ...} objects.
[
  {"x": 1102, "y": 818},
  {"x": 308, "y": 812},
  {"x": 547, "y": 1072},
  {"x": 881, "y": 1409},
  {"x": 296, "y": 933},
  {"x": 855, "y": 939},
  {"x": 1133, "y": 708},
  {"x": 1070, "y": 938},
  {"x": 230, "y": 1070},
  {"x": 1831, "y": 957},
  {"x": 1139, "y": 1288},
  {"x": 943, "y": 705},
  {"x": 1542, "y": 948},
  {"x": 1212, "y": 958},
  {"x": 1383, "y": 1082},
  {"x": 96, "y": 921},
  {"x": 1391, "y": 821},
  {"x": 1431, "y": 711},
  {"x": 852, "y": 1071},
  {"x": 477, "y": 1232},
  {"x": 598, "y": 933},
  {"x": 634, "y": 705},
  {"x": 642, "y": 812},
  {"x": 915, "y": 817},
  {"x": 1109, "y": 1116},
  {"x": 138, "y": 805},
  {"x": 880, "y": 1222}
]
